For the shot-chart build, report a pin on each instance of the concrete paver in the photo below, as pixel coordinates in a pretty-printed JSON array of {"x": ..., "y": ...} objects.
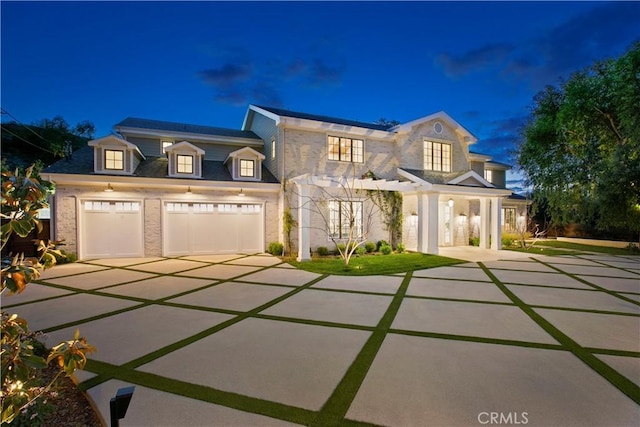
[
  {"x": 537, "y": 278},
  {"x": 69, "y": 270},
  {"x": 219, "y": 271},
  {"x": 100, "y": 279},
  {"x": 627, "y": 366},
  {"x": 615, "y": 283},
  {"x": 382, "y": 284},
  {"x": 35, "y": 292},
  {"x": 456, "y": 289},
  {"x": 149, "y": 407},
  {"x": 138, "y": 332},
  {"x": 233, "y": 296},
  {"x": 586, "y": 270},
  {"x": 595, "y": 329},
  {"x": 460, "y": 273},
  {"x": 450, "y": 383},
  {"x": 158, "y": 287},
  {"x": 46, "y": 314},
  {"x": 355, "y": 309},
  {"x": 281, "y": 276},
  {"x": 466, "y": 318},
  {"x": 573, "y": 298},
  {"x": 285, "y": 362},
  {"x": 169, "y": 266}
]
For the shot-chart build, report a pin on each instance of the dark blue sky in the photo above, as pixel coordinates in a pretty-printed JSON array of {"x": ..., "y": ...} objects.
[{"x": 204, "y": 62}]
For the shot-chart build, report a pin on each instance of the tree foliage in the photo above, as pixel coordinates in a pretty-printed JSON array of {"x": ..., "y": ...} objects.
[
  {"x": 46, "y": 140},
  {"x": 23, "y": 195},
  {"x": 581, "y": 147}
]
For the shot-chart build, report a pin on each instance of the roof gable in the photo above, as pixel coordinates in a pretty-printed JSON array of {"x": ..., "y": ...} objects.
[
  {"x": 112, "y": 140},
  {"x": 471, "y": 178},
  {"x": 184, "y": 145},
  {"x": 442, "y": 116}
]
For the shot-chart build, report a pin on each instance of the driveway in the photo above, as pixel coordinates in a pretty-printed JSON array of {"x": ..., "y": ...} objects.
[{"x": 247, "y": 340}]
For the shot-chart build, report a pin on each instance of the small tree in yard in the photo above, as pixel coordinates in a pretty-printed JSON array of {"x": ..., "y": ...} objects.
[
  {"x": 23, "y": 195},
  {"x": 347, "y": 213}
]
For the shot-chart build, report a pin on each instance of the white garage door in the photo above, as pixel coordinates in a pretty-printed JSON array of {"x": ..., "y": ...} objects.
[
  {"x": 212, "y": 228},
  {"x": 110, "y": 229}
]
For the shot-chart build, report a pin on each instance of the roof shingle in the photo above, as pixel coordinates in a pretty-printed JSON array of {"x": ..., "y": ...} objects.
[{"x": 134, "y": 122}]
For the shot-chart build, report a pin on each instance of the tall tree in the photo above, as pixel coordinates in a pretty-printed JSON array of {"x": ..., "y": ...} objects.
[{"x": 581, "y": 146}]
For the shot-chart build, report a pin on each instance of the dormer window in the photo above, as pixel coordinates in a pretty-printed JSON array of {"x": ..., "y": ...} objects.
[
  {"x": 165, "y": 145},
  {"x": 488, "y": 175},
  {"x": 245, "y": 164},
  {"x": 247, "y": 168},
  {"x": 114, "y": 159},
  {"x": 185, "y": 160},
  {"x": 185, "y": 164},
  {"x": 115, "y": 156}
]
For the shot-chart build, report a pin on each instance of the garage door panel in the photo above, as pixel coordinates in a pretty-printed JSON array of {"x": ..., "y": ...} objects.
[
  {"x": 208, "y": 228},
  {"x": 111, "y": 229}
]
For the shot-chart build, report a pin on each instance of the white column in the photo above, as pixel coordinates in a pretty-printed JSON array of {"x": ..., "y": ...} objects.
[
  {"x": 304, "y": 222},
  {"x": 423, "y": 224},
  {"x": 484, "y": 223},
  {"x": 496, "y": 223},
  {"x": 432, "y": 239}
]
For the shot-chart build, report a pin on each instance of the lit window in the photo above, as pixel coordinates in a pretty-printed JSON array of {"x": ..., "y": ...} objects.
[
  {"x": 185, "y": 163},
  {"x": 345, "y": 219},
  {"x": 247, "y": 168},
  {"x": 114, "y": 159},
  {"x": 488, "y": 175},
  {"x": 508, "y": 219},
  {"x": 345, "y": 149},
  {"x": 273, "y": 148},
  {"x": 165, "y": 145},
  {"x": 437, "y": 156}
]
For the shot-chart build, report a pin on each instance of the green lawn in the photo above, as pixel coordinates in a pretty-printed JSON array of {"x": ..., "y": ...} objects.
[
  {"x": 586, "y": 248},
  {"x": 368, "y": 265}
]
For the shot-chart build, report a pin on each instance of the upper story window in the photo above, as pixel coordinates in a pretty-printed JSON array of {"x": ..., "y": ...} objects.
[
  {"x": 345, "y": 149},
  {"x": 184, "y": 163},
  {"x": 273, "y": 148},
  {"x": 165, "y": 145},
  {"x": 114, "y": 159},
  {"x": 488, "y": 175},
  {"x": 245, "y": 164},
  {"x": 185, "y": 160},
  {"x": 247, "y": 168},
  {"x": 437, "y": 156}
]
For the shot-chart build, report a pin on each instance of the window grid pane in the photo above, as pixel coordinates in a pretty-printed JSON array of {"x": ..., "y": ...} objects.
[
  {"x": 247, "y": 168},
  {"x": 428, "y": 155},
  {"x": 333, "y": 148},
  {"x": 185, "y": 164},
  {"x": 446, "y": 157},
  {"x": 114, "y": 159},
  {"x": 358, "y": 151}
]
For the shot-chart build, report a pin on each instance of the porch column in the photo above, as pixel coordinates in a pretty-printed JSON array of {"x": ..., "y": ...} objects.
[
  {"x": 304, "y": 222},
  {"x": 428, "y": 223},
  {"x": 484, "y": 222},
  {"x": 496, "y": 223}
]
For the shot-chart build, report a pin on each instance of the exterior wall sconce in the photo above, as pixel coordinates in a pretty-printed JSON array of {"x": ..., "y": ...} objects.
[
  {"x": 109, "y": 188},
  {"x": 241, "y": 194},
  {"x": 188, "y": 191},
  {"x": 450, "y": 203}
]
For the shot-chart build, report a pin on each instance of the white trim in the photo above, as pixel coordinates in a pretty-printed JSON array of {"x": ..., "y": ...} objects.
[
  {"x": 244, "y": 150},
  {"x": 474, "y": 175},
  {"x": 183, "y": 146},
  {"x": 468, "y": 137},
  {"x": 112, "y": 139}
]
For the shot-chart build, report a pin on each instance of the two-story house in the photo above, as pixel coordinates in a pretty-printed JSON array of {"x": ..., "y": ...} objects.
[{"x": 157, "y": 188}]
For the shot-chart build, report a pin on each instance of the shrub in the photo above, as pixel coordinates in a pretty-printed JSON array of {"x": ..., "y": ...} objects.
[
  {"x": 322, "y": 250},
  {"x": 386, "y": 249},
  {"x": 340, "y": 248},
  {"x": 275, "y": 248},
  {"x": 380, "y": 244},
  {"x": 474, "y": 241},
  {"x": 633, "y": 248},
  {"x": 361, "y": 250},
  {"x": 370, "y": 247},
  {"x": 506, "y": 242},
  {"x": 400, "y": 248}
]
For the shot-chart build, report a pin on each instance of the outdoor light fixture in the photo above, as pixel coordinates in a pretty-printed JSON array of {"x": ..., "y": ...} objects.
[
  {"x": 109, "y": 188},
  {"x": 450, "y": 203},
  {"x": 241, "y": 194},
  {"x": 188, "y": 191},
  {"x": 119, "y": 404}
]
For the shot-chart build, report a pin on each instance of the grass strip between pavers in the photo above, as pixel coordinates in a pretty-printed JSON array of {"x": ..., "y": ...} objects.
[
  {"x": 335, "y": 408},
  {"x": 618, "y": 380},
  {"x": 586, "y": 282},
  {"x": 199, "y": 392}
]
